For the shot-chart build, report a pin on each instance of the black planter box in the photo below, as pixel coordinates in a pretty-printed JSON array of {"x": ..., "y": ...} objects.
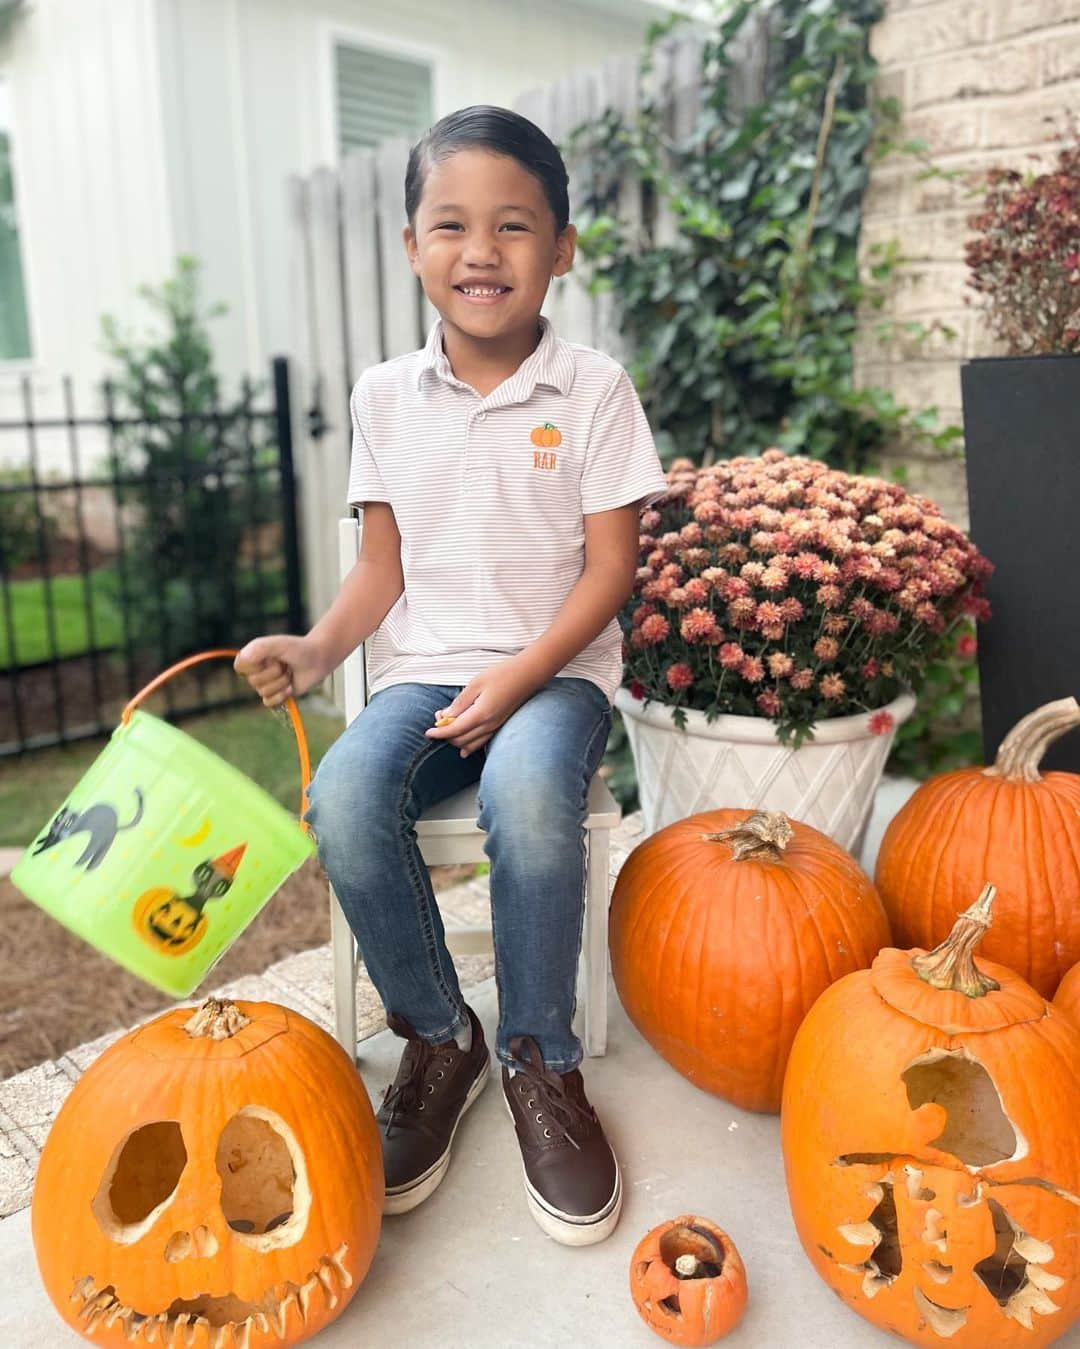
[{"x": 1022, "y": 434}]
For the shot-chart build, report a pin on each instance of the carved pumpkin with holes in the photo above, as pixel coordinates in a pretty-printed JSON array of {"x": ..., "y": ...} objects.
[
  {"x": 214, "y": 1180},
  {"x": 929, "y": 1135}
]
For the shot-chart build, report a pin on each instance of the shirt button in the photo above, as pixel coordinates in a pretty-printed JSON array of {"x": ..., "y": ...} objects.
[{"x": 480, "y": 416}]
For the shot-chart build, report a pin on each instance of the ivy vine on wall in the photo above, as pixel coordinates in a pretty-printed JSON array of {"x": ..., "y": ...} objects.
[{"x": 743, "y": 326}]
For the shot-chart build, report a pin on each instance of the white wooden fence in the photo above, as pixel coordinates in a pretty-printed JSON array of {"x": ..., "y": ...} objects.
[{"x": 357, "y": 301}]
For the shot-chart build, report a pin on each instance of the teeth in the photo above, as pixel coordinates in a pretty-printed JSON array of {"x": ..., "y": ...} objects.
[
  {"x": 277, "y": 1319},
  {"x": 242, "y": 1333},
  {"x": 304, "y": 1295},
  {"x": 262, "y": 1322},
  {"x": 338, "y": 1261},
  {"x": 84, "y": 1289},
  {"x": 323, "y": 1275},
  {"x": 486, "y": 290}
]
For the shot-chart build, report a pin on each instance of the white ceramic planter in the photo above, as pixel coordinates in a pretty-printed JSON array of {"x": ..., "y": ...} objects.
[{"x": 829, "y": 782}]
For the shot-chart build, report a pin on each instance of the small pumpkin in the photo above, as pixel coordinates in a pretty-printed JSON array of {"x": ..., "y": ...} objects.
[
  {"x": 688, "y": 1281},
  {"x": 929, "y": 1138},
  {"x": 724, "y": 929},
  {"x": 546, "y": 435},
  {"x": 1010, "y": 822},
  {"x": 1067, "y": 997},
  {"x": 212, "y": 1180}
]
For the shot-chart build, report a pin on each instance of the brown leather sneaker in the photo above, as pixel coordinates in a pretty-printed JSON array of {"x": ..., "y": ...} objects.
[
  {"x": 572, "y": 1179},
  {"x": 422, "y": 1108}
]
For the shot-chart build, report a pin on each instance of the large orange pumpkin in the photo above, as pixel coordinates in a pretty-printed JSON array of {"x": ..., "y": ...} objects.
[
  {"x": 688, "y": 1281},
  {"x": 1067, "y": 997},
  {"x": 213, "y": 1181},
  {"x": 725, "y": 927},
  {"x": 1009, "y": 824},
  {"x": 929, "y": 1138}
]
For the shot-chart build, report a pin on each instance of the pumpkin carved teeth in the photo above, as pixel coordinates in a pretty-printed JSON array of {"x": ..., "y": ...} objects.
[{"x": 179, "y": 1328}]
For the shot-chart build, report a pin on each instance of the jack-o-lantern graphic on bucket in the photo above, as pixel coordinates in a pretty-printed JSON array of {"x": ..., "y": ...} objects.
[
  {"x": 929, "y": 1133},
  {"x": 214, "y": 1180}
]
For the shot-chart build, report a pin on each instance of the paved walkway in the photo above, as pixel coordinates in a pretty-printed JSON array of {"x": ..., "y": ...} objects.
[{"x": 29, "y": 1101}]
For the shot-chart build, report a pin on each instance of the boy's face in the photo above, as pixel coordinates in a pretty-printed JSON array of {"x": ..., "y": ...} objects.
[{"x": 482, "y": 214}]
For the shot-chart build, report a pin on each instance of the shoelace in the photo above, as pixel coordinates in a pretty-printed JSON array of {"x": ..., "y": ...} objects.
[
  {"x": 546, "y": 1089},
  {"x": 404, "y": 1094}
]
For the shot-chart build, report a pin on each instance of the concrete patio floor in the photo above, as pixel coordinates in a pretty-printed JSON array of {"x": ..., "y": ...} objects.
[{"x": 470, "y": 1270}]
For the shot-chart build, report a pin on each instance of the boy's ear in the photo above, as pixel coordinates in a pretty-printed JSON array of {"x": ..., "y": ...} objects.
[
  {"x": 411, "y": 249},
  {"x": 565, "y": 247}
]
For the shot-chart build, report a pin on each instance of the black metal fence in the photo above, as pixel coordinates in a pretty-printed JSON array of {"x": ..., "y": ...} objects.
[{"x": 178, "y": 534}]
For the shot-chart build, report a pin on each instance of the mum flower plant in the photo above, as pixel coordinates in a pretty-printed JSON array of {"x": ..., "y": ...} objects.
[{"x": 779, "y": 587}]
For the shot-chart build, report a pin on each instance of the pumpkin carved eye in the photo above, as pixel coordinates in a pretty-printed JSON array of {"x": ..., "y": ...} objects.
[
  {"x": 140, "y": 1180},
  {"x": 265, "y": 1195}
]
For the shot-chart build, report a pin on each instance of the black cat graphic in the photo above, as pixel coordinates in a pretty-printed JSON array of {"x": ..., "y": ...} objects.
[{"x": 99, "y": 821}]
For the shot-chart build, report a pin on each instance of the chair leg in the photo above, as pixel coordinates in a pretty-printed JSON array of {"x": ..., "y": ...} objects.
[
  {"x": 343, "y": 954},
  {"x": 596, "y": 942}
]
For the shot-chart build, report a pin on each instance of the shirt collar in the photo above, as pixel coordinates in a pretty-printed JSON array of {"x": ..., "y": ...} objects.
[{"x": 551, "y": 364}]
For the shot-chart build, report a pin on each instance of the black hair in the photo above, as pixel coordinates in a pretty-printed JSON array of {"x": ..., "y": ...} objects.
[{"x": 501, "y": 131}]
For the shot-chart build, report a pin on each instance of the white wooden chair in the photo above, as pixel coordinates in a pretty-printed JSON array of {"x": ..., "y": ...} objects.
[{"x": 448, "y": 833}]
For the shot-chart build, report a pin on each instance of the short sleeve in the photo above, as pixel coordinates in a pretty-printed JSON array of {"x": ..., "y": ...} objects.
[
  {"x": 365, "y": 480},
  {"x": 621, "y": 463}
]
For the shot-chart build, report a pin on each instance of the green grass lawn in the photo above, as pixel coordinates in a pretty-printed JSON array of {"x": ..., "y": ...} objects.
[
  {"x": 28, "y": 599},
  {"x": 28, "y": 611},
  {"x": 259, "y": 742}
]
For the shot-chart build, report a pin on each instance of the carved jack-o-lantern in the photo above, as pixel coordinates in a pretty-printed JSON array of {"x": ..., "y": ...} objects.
[
  {"x": 688, "y": 1281},
  {"x": 929, "y": 1135},
  {"x": 213, "y": 1182}
]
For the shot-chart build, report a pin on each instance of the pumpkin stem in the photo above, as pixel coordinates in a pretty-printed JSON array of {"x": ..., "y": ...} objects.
[
  {"x": 691, "y": 1251},
  {"x": 762, "y": 836},
  {"x": 951, "y": 965},
  {"x": 1021, "y": 752},
  {"x": 216, "y": 1019}
]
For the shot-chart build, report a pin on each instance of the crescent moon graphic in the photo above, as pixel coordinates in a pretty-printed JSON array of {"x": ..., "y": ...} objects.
[{"x": 193, "y": 840}]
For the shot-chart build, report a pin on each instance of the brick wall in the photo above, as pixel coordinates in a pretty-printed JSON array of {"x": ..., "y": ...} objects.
[{"x": 975, "y": 80}]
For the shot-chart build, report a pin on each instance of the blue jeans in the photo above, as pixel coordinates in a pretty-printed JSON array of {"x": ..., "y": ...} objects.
[{"x": 534, "y": 773}]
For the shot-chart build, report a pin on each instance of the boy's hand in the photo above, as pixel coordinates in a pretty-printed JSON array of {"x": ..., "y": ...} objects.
[
  {"x": 482, "y": 706},
  {"x": 278, "y": 667}
]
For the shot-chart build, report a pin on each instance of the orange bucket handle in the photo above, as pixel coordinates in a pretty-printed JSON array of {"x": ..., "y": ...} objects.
[{"x": 230, "y": 653}]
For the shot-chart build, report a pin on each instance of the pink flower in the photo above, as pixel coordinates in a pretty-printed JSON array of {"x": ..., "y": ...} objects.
[
  {"x": 654, "y": 629},
  {"x": 699, "y": 625},
  {"x": 835, "y": 624},
  {"x": 769, "y": 703},
  {"x": 696, "y": 590},
  {"x": 792, "y": 609},
  {"x": 680, "y": 677},
  {"x": 805, "y": 565},
  {"x": 870, "y": 669},
  {"x": 832, "y": 686},
  {"x": 775, "y": 579},
  {"x": 743, "y": 612},
  {"x": 826, "y": 648},
  {"x": 966, "y": 645},
  {"x": 830, "y": 596},
  {"x": 770, "y": 615},
  {"x": 637, "y": 689},
  {"x": 780, "y": 664},
  {"x": 641, "y": 613},
  {"x": 880, "y": 723},
  {"x": 752, "y": 670},
  {"x": 731, "y": 655},
  {"x": 802, "y": 679}
]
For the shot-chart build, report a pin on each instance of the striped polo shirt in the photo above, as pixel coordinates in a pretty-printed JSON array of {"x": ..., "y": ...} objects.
[{"x": 489, "y": 495}]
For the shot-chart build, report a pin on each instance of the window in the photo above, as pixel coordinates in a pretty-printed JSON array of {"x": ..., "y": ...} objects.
[
  {"x": 14, "y": 325},
  {"x": 378, "y": 96}
]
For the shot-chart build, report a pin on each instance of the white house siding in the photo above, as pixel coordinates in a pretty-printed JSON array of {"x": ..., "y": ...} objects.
[
  {"x": 145, "y": 128},
  {"x": 90, "y": 186},
  {"x": 249, "y": 99}
]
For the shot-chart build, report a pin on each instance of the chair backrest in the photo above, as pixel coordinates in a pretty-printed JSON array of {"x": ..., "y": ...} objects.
[{"x": 355, "y": 667}]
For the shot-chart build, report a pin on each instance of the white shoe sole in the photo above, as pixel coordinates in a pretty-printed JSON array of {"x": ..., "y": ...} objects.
[
  {"x": 404, "y": 1198},
  {"x": 567, "y": 1228}
]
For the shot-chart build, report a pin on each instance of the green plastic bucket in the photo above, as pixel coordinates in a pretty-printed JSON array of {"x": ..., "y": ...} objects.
[{"x": 163, "y": 853}]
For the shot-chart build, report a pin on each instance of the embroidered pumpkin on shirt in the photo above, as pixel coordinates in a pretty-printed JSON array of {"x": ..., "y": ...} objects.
[{"x": 546, "y": 435}]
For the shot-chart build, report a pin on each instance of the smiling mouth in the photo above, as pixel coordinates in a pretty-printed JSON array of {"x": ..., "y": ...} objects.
[
  {"x": 483, "y": 294},
  {"x": 227, "y": 1319}
]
